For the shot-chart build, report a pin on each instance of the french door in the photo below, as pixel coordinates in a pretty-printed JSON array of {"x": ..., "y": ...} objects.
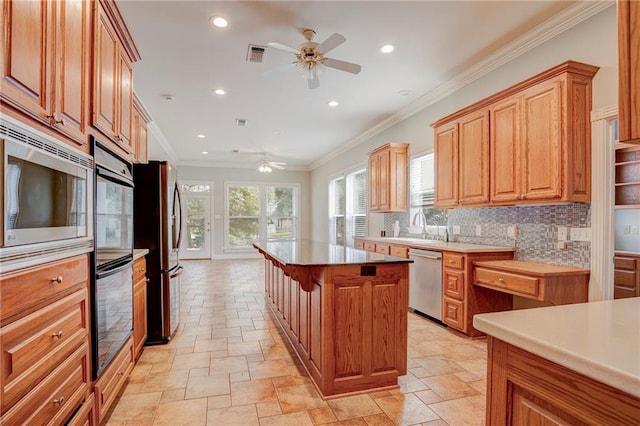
[{"x": 196, "y": 243}]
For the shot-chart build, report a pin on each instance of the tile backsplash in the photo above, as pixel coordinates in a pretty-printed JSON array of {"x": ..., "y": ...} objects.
[{"x": 537, "y": 226}]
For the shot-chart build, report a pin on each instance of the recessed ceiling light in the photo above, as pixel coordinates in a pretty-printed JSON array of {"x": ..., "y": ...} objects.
[
  {"x": 333, "y": 104},
  {"x": 201, "y": 136},
  {"x": 404, "y": 92},
  {"x": 387, "y": 48},
  {"x": 168, "y": 97},
  {"x": 277, "y": 132},
  {"x": 205, "y": 152},
  {"x": 219, "y": 92},
  {"x": 218, "y": 21}
]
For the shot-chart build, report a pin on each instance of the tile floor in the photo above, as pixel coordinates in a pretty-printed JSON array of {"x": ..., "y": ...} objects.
[{"x": 230, "y": 365}]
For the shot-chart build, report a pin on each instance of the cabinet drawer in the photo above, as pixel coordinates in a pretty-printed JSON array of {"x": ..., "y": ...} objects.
[
  {"x": 55, "y": 398},
  {"x": 508, "y": 282},
  {"x": 109, "y": 383},
  {"x": 35, "y": 345},
  {"x": 25, "y": 289},
  {"x": 453, "y": 313},
  {"x": 86, "y": 415},
  {"x": 139, "y": 269},
  {"x": 383, "y": 248},
  {"x": 399, "y": 251},
  {"x": 452, "y": 260},
  {"x": 369, "y": 246},
  {"x": 627, "y": 263},
  {"x": 359, "y": 244},
  {"x": 454, "y": 284}
]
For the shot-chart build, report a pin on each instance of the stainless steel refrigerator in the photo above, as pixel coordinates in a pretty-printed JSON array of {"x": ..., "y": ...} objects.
[{"x": 158, "y": 227}]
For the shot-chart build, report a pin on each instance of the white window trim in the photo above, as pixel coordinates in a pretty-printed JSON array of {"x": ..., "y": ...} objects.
[{"x": 330, "y": 204}]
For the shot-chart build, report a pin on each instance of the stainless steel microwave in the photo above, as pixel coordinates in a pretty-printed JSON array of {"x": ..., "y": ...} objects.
[{"x": 47, "y": 187}]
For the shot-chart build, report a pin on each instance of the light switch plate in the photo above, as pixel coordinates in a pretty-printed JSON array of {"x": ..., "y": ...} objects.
[
  {"x": 456, "y": 229},
  {"x": 562, "y": 233},
  {"x": 478, "y": 230}
]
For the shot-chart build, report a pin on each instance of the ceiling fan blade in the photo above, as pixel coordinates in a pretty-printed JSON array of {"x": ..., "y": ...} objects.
[
  {"x": 278, "y": 70},
  {"x": 278, "y": 163},
  {"x": 283, "y": 47},
  {"x": 314, "y": 83},
  {"x": 342, "y": 65},
  {"x": 277, "y": 166},
  {"x": 331, "y": 43}
]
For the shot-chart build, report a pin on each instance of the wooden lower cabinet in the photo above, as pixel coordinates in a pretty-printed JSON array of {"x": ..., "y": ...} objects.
[
  {"x": 108, "y": 385},
  {"x": 45, "y": 367},
  {"x": 86, "y": 414},
  {"x": 525, "y": 389},
  {"x": 626, "y": 275},
  {"x": 349, "y": 330},
  {"x": 139, "y": 305}
]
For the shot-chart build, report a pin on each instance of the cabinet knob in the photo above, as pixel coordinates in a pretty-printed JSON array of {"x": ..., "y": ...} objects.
[
  {"x": 59, "y": 401},
  {"x": 450, "y": 261},
  {"x": 501, "y": 280},
  {"x": 53, "y": 119},
  {"x": 121, "y": 373},
  {"x": 118, "y": 138},
  {"x": 58, "y": 334},
  {"x": 57, "y": 279}
]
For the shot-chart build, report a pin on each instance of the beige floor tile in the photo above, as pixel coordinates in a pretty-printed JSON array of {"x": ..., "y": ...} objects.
[
  {"x": 191, "y": 412},
  {"x": 204, "y": 386},
  {"x": 479, "y": 385},
  {"x": 428, "y": 396},
  {"x": 406, "y": 409},
  {"x": 301, "y": 397},
  {"x": 161, "y": 367},
  {"x": 220, "y": 401},
  {"x": 209, "y": 345},
  {"x": 156, "y": 382},
  {"x": 243, "y": 348},
  {"x": 269, "y": 368},
  {"x": 284, "y": 381},
  {"x": 226, "y": 332},
  {"x": 350, "y": 422},
  {"x": 245, "y": 415},
  {"x": 459, "y": 412},
  {"x": 435, "y": 423},
  {"x": 172, "y": 395},
  {"x": 292, "y": 419},
  {"x": 252, "y": 392},
  {"x": 191, "y": 360},
  {"x": 437, "y": 365},
  {"x": 239, "y": 376},
  {"x": 139, "y": 373},
  {"x": 270, "y": 408},
  {"x": 228, "y": 365},
  {"x": 152, "y": 355},
  {"x": 449, "y": 386},
  {"x": 320, "y": 416},
  {"x": 256, "y": 335},
  {"x": 353, "y": 406},
  {"x": 409, "y": 383},
  {"x": 136, "y": 407},
  {"x": 378, "y": 420},
  {"x": 477, "y": 367}
]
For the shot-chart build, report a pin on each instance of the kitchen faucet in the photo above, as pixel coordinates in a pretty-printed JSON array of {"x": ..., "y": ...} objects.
[{"x": 421, "y": 220}]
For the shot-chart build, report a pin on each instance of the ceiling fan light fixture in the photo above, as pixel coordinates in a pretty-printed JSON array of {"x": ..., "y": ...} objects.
[{"x": 264, "y": 168}]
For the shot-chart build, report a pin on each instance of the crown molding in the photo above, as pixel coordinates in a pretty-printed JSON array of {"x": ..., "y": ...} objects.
[
  {"x": 153, "y": 128},
  {"x": 226, "y": 165},
  {"x": 568, "y": 18}
]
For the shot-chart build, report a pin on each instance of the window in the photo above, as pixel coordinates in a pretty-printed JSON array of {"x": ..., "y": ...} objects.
[
  {"x": 348, "y": 207},
  {"x": 422, "y": 194},
  {"x": 258, "y": 212}
]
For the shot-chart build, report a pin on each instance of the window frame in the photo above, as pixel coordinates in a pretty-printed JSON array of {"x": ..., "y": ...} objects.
[{"x": 349, "y": 217}]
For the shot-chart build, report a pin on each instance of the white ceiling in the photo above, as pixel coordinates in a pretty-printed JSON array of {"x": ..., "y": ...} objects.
[{"x": 183, "y": 56}]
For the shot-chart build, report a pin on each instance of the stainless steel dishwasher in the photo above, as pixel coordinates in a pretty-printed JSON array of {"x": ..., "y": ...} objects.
[{"x": 425, "y": 283}]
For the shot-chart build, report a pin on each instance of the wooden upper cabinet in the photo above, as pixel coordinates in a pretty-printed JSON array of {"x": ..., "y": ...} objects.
[
  {"x": 139, "y": 120},
  {"x": 530, "y": 143},
  {"x": 388, "y": 178},
  {"x": 505, "y": 150},
  {"x": 446, "y": 165},
  {"x": 629, "y": 70},
  {"x": 473, "y": 163},
  {"x": 113, "y": 77},
  {"x": 45, "y": 63}
]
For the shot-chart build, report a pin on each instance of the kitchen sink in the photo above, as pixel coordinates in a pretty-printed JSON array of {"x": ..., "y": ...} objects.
[{"x": 413, "y": 240}]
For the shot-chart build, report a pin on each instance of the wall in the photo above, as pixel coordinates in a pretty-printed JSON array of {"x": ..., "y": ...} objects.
[
  {"x": 627, "y": 224},
  {"x": 220, "y": 175},
  {"x": 594, "y": 41}
]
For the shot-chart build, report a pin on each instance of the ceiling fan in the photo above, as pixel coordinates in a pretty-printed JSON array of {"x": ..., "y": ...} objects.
[
  {"x": 310, "y": 56},
  {"x": 267, "y": 166}
]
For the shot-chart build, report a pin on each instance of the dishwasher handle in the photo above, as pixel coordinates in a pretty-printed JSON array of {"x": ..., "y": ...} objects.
[{"x": 436, "y": 255}]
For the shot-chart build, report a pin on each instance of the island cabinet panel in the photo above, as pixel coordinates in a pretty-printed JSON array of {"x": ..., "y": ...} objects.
[
  {"x": 347, "y": 323},
  {"x": 525, "y": 389}
]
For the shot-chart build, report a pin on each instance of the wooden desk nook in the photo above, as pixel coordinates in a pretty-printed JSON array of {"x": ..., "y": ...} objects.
[{"x": 344, "y": 310}]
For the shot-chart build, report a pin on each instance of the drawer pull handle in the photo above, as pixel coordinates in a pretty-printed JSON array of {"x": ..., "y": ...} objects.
[
  {"x": 58, "y": 334},
  {"x": 450, "y": 261},
  {"x": 121, "y": 373},
  {"x": 59, "y": 401},
  {"x": 501, "y": 280},
  {"x": 57, "y": 279}
]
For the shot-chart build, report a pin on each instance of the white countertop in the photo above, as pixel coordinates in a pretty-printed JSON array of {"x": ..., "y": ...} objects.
[
  {"x": 600, "y": 340},
  {"x": 138, "y": 253},
  {"x": 439, "y": 245}
]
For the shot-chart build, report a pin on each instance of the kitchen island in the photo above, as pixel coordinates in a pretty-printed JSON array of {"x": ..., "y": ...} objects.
[
  {"x": 569, "y": 364},
  {"x": 344, "y": 311}
]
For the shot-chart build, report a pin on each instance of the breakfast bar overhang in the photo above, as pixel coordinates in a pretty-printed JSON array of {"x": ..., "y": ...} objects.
[{"x": 344, "y": 310}]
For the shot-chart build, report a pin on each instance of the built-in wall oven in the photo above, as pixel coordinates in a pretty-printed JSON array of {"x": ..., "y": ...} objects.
[{"x": 112, "y": 287}]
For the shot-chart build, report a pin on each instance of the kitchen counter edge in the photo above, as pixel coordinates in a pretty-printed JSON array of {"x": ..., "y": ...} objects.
[{"x": 438, "y": 245}]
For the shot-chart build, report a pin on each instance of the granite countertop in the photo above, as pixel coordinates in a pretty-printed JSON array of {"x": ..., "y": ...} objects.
[
  {"x": 600, "y": 340},
  {"x": 138, "y": 253},
  {"x": 304, "y": 252},
  {"x": 439, "y": 245}
]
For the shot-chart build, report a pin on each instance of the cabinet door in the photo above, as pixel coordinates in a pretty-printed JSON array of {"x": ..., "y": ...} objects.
[
  {"x": 541, "y": 143},
  {"x": 446, "y": 165},
  {"x": 27, "y": 46},
  {"x": 505, "y": 150},
  {"x": 629, "y": 70},
  {"x": 473, "y": 151},
  {"x": 139, "y": 315},
  {"x": 374, "y": 186},
  {"x": 139, "y": 136},
  {"x": 125, "y": 102},
  {"x": 71, "y": 97},
  {"x": 106, "y": 64},
  {"x": 384, "y": 165}
]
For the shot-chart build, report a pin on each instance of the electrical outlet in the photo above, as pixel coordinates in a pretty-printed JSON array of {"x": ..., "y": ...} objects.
[
  {"x": 456, "y": 229},
  {"x": 580, "y": 234},
  {"x": 635, "y": 230},
  {"x": 562, "y": 233},
  {"x": 512, "y": 231},
  {"x": 562, "y": 245},
  {"x": 478, "y": 230},
  {"x": 627, "y": 229}
]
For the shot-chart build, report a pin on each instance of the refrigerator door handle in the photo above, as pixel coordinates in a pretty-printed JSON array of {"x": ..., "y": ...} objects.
[
  {"x": 177, "y": 272},
  {"x": 177, "y": 211}
]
